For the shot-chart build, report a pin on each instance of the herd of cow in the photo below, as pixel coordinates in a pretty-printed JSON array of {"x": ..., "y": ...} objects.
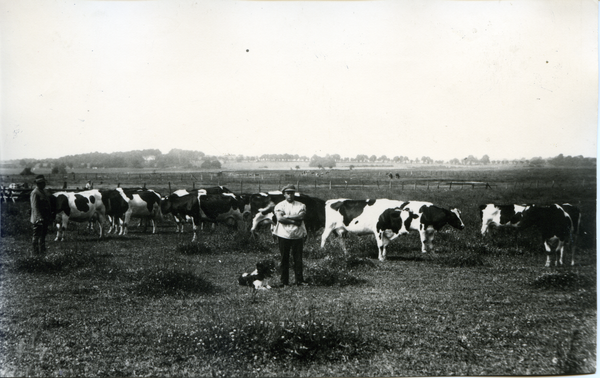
[{"x": 384, "y": 218}]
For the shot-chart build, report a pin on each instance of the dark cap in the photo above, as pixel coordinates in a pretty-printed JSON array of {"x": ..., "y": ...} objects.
[
  {"x": 288, "y": 188},
  {"x": 40, "y": 178}
]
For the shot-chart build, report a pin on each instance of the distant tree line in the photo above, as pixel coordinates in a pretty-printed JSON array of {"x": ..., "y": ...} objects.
[{"x": 177, "y": 158}]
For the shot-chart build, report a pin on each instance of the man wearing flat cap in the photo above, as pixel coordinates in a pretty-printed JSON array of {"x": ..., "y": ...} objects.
[
  {"x": 41, "y": 214},
  {"x": 291, "y": 232}
]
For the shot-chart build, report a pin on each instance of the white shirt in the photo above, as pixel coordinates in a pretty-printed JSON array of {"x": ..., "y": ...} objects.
[{"x": 289, "y": 231}]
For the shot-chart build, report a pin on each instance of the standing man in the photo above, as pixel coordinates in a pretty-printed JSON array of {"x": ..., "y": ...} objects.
[
  {"x": 291, "y": 232},
  {"x": 41, "y": 214}
]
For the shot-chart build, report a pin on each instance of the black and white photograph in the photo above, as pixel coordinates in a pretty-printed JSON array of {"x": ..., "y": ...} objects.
[{"x": 278, "y": 188}]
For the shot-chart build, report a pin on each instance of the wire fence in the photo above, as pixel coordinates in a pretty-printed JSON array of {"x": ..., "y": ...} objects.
[{"x": 254, "y": 182}]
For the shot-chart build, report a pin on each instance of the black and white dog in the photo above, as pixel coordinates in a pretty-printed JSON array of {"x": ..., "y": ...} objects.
[{"x": 259, "y": 278}]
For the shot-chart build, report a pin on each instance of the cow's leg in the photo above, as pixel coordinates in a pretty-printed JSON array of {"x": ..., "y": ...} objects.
[
  {"x": 326, "y": 232},
  {"x": 62, "y": 227},
  {"x": 101, "y": 220},
  {"x": 548, "y": 252},
  {"x": 382, "y": 243},
  {"x": 194, "y": 230},
  {"x": 559, "y": 250},
  {"x": 423, "y": 236},
  {"x": 429, "y": 236},
  {"x": 484, "y": 228},
  {"x": 153, "y": 226}
]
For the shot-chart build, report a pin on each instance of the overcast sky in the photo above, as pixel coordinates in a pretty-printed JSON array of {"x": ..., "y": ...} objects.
[{"x": 444, "y": 79}]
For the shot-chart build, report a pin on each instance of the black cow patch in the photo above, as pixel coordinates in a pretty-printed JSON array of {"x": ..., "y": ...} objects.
[
  {"x": 434, "y": 216},
  {"x": 508, "y": 215},
  {"x": 62, "y": 204},
  {"x": 390, "y": 220},
  {"x": 351, "y": 209},
  {"x": 82, "y": 203},
  {"x": 550, "y": 220}
]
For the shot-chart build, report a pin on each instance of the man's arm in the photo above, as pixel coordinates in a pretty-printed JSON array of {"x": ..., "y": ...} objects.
[{"x": 290, "y": 219}]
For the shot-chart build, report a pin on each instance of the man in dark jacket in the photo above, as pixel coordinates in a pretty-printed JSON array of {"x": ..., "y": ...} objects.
[{"x": 41, "y": 214}]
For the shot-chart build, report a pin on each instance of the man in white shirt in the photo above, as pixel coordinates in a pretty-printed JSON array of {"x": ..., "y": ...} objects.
[{"x": 291, "y": 232}]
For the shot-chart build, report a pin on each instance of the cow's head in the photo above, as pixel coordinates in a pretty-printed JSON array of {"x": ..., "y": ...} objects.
[
  {"x": 165, "y": 205},
  {"x": 455, "y": 219}
]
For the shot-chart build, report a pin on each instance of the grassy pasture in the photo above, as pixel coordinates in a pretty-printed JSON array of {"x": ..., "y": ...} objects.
[{"x": 158, "y": 305}]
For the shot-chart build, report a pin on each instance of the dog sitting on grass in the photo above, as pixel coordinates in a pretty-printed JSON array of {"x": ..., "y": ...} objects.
[{"x": 258, "y": 279}]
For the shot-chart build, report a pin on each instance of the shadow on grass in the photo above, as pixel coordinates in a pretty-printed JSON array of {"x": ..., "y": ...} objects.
[
  {"x": 564, "y": 281},
  {"x": 407, "y": 258},
  {"x": 177, "y": 283},
  {"x": 58, "y": 263}
]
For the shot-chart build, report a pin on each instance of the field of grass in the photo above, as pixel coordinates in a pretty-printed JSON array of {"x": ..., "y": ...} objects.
[{"x": 158, "y": 305}]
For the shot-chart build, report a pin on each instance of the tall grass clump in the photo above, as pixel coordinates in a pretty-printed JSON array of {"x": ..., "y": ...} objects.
[
  {"x": 337, "y": 270},
  {"x": 190, "y": 249},
  {"x": 171, "y": 282}
]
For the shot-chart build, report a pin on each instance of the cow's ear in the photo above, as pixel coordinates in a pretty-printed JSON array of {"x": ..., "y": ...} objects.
[{"x": 413, "y": 215}]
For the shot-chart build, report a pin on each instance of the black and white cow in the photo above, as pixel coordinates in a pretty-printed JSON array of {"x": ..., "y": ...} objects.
[
  {"x": 79, "y": 207},
  {"x": 144, "y": 204},
  {"x": 116, "y": 205},
  {"x": 184, "y": 205},
  {"x": 558, "y": 225},
  {"x": 426, "y": 218},
  {"x": 262, "y": 207},
  {"x": 500, "y": 216},
  {"x": 225, "y": 208},
  {"x": 383, "y": 218}
]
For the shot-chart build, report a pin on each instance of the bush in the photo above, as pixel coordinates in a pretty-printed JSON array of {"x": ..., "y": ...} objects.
[
  {"x": 27, "y": 171},
  {"x": 211, "y": 164}
]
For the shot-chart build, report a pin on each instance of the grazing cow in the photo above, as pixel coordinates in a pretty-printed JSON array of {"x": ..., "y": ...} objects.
[
  {"x": 144, "y": 204},
  {"x": 222, "y": 208},
  {"x": 262, "y": 207},
  {"x": 381, "y": 217},
  {"x": 427, "y": 218},
  {"x": 78, "y": 206},
  {"x": 116, "y": 204},
  {"x": 493, "y": 216},
  {"x": 183, "y": 205},
  {"x": 556, "y": 226}
]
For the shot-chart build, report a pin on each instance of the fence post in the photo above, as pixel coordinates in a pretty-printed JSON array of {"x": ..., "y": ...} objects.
[
  {"x": 298, "y": 185},
  {"x": 259, "y": 186},
  {"x": 329, "y": 184},
  {"x": 170, "y": 188},
  {"x": 193, "y": 185}
]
